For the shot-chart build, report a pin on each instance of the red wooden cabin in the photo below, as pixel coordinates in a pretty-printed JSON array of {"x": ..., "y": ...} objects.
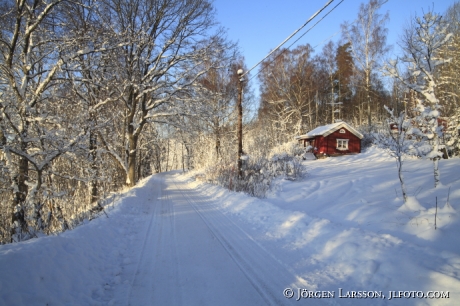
[{"x": 333, "y": 139}]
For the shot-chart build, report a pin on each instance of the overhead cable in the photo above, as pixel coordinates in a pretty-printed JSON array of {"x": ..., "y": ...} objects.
[
  {"x": 290, "y": 36},
  {"x": 299, "y": 37},
  {"x": 316, "y": 24}
]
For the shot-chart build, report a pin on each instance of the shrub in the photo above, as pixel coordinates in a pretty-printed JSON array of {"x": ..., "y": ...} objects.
[{"x": 258, "y": 173}]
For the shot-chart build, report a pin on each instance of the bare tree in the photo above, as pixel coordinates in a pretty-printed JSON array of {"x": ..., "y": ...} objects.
[
  {"x": 330, "y": 65},
  {"x": 396, "y": 141},
  {"x": 164, "y": 43},
  {"x": 421, "y": 43},
  {"x": 288, "y": 88},
  {"x": 447, "y": 77},
  {"x": 90, "y": 76},
  {"x": 367, "y": 37},
  {"x": 217, "y": 93},
  {"x": 344, "y": 74},
  {"x": 123, "y": 67},
  {"x": 33, "y": 51}
]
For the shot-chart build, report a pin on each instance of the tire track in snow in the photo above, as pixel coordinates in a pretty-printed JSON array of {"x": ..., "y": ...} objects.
[
  {"x": 173, "y": 246},
  {"x": 268, "y": 275},
  {"x": 147, "y": 285},
  {"x": 145, "y": 242},
  {"x": 193, "y": 254}
]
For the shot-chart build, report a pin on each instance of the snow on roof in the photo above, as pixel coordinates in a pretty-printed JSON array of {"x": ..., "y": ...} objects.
[{"x": 326, "y": 130}]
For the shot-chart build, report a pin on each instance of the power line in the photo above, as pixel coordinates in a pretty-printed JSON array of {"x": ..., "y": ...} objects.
[
  {"x": 299, "y": 37},
  {"x": 290, "y": 36},
  {"x": 328, "y": 38},
  {"x": 316, "y": 24}
]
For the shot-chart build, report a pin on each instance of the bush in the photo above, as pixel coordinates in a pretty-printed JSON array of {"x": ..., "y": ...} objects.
[
  {"x": 258, "y": 174},
  {"x": 289, "y": 148},
  {"x": 368, "y": 136}
]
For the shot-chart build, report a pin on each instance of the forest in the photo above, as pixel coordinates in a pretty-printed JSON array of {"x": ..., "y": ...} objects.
[{"x": 96, "y": 95}]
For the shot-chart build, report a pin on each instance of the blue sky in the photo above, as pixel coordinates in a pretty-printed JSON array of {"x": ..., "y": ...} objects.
[{"x": 260, "y": 25}]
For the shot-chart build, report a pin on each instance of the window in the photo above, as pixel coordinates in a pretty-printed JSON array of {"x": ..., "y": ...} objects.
[
  {"x": 342, "y": 131},
  {"x": 342, "y": 144}
]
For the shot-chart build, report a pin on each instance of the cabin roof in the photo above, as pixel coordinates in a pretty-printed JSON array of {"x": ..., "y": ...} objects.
[{"x": 326, "y": 130}]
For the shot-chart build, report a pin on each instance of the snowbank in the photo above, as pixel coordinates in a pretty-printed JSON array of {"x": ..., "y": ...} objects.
[
  {"x": 77, "y": 267},
  {"x": 345, "y": 226}
]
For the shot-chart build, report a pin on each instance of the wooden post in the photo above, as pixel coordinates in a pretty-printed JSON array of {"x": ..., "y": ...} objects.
[
  {"x": 436, "y": 213},
  {"x": 240, "y": 122}
]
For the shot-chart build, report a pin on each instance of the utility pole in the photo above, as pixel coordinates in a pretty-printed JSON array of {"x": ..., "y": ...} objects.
[
  {"x": 333, "y": 109},
  {"x": 240, "y": 122}
]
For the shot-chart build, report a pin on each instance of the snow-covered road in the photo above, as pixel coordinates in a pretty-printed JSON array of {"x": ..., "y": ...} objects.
[
  {"x": 162, "y": 243},
  {"x": 193, "y": 254}
]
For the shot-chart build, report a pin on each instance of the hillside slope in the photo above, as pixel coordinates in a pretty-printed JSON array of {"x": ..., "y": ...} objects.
[{"x": 341, "y": 232}]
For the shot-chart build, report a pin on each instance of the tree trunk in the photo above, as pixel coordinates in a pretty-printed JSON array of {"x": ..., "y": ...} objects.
[
  {"x": 436, "y": 159},
  {"x": 217, "y": 142},
  {"x": 132, "y": 152},
  {"x": 18, "y": 220},
  {"x": 400, "y": 175},
  {"x": 167, "y": 155},
  {"x": 183, "y": 165},
  {"x": 94, "y": 167},
  {"x": 316, "y": 110},
  {"x": 332, "y": 100},
  {"x": 368, "y": 98},
  {"x": 139, "y": 166}
]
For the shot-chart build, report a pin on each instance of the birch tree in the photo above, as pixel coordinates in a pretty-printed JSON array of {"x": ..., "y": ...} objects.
[
  {"x": 448, "y": 76},
  {"x": 421, "y": 44},
  {"x": 367, "y": 38},
  {"x": 397, "y": 142},
  {"x": 330, "y": 65}
]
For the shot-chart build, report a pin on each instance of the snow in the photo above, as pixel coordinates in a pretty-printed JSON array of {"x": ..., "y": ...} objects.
[
  {"x": 309, "y": 155},
  {"x": 172, "y": 240},
  {"x": 244, "y": 157},
  {"x": 329, "y": 129}
]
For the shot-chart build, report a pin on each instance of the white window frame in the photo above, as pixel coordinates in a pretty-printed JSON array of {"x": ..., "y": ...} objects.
[
  {"x": 342, "y": 131},
  {"x": 342, "y": 144}
]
